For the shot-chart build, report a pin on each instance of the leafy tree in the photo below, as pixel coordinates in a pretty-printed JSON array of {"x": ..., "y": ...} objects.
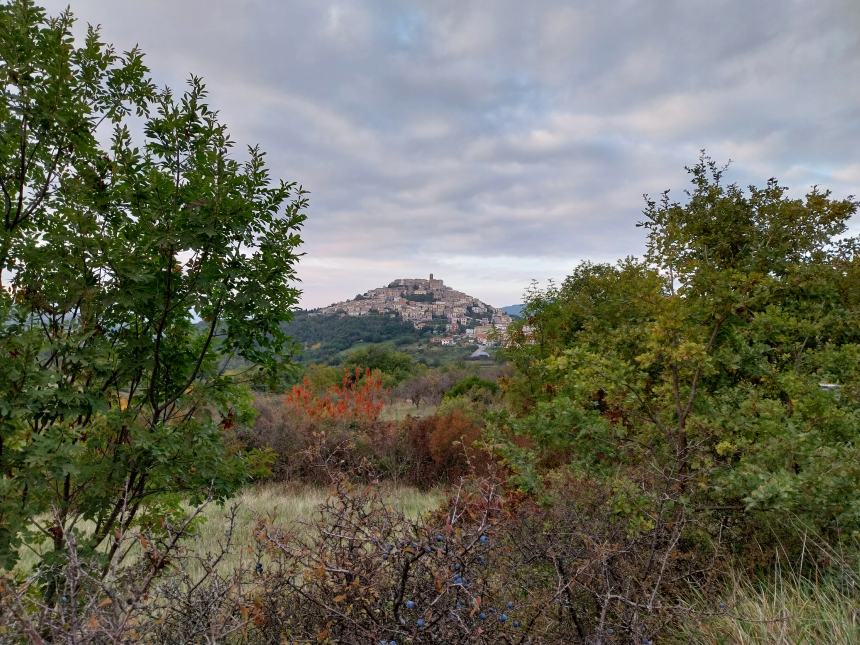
[
  {"x": 395, "y": 366},
  {"x": 696, "y": 373},
  {"x": 474, "y": 387},
  {"x": 116, "y": 239}
]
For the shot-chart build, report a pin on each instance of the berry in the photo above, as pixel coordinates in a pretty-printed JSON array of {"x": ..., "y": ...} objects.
[
  {"x": 410, "y": 604},
  {"x": 484, "y": 539},
  {"x": 510, "y": 605},
  {"x": 440, "y": 538},
  {"x": 420, "y": 622},
  {"x": 503, "y": 617},
  {"x": 482, "y": 615},
  {"x": 516, "y": 623}
]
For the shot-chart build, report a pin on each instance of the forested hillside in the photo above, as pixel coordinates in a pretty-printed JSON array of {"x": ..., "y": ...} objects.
[{"x": 321, "y": 337}]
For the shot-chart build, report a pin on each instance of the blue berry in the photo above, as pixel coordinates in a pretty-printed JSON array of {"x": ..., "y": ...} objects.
[
  {"x": 510, "y": 605},
  {"x": 410, "y": 604},
  {"x": 516, "y": 623},
  {"x": 440, "y": 538},
  {"x": 482, "y": 615},
  {"x": 420, "y": 622},
  {"x": 503, "y": 617},
  {"x": 457, "y": 580},
  {"x": 484, "y": 539}
]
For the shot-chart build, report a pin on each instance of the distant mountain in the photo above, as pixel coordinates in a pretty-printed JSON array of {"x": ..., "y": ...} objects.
[{"x": 515, "y": 311}]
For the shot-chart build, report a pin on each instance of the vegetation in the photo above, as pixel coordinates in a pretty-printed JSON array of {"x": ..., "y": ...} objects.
[
  {"x": 395, "y": 367},
  {"x": 113, "y": 406},
  {"x": 322, "y": 337},
  {"x": 670, "y": 453},
  {"x": 697, "y": 372}
]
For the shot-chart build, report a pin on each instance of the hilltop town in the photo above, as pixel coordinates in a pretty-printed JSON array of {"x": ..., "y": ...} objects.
[{"x": 427, "y": 302}]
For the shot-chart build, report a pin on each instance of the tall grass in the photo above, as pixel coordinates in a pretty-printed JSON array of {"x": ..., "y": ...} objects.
[
  {"x": 786, "y": 609},
  {"x": 284, "y": 505}
]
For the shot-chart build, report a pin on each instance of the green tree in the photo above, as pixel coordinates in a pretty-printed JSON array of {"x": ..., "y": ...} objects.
[
  {"x": 696, "y": 372},
  {"x": 128, "y": 225},
  {"x": 395, "y": 366}
]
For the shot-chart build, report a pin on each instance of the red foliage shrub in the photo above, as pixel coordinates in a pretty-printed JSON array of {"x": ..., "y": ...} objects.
[
  {"x": 313, "y": 434},
  {"x": 358, "y": 399},
  {"x": 442, "y": 447}
]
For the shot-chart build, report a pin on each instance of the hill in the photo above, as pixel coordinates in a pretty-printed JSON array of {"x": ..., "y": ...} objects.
[
  {"x": 515, "y": 311},
  {"x": 425, "y": 303},
  {"x": 323, "y": 336}
]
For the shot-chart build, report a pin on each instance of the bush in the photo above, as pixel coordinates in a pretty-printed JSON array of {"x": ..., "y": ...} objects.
[
  {"x": 442, "y": 448},
  {"x": 486, "y": 568}
]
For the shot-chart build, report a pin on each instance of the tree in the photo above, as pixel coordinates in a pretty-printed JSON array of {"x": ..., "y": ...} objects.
[
  {"x": 136, "y": 263},
  {"x": 395, "y": 366},
  {"x": 695, "y": 373}
]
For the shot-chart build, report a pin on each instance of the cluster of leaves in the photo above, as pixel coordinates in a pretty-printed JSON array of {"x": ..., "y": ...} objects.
[
  {"x": 358, "y": 399},
  {"x": 125, "y": 218},
  {"x": 394, "y": 367},
  {"x": 726, "y": 361}
]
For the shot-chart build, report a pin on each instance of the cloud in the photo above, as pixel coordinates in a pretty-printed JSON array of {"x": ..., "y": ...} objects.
[{"x": 493, "y": 143}]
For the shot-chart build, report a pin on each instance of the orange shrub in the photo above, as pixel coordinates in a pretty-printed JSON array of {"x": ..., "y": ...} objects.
[
  {"x": 442, "y": 447},
  {"x": 359, "y": 398}
]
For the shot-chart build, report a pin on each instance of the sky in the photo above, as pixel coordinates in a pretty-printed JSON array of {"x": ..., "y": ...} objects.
[{"x": 492, "y": 143}]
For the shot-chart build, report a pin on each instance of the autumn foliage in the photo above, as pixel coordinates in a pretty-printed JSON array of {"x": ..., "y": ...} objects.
[{"x": 358, "y": 399}]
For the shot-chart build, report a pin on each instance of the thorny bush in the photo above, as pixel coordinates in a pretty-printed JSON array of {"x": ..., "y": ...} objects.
[{"x": 484, "y": 568}]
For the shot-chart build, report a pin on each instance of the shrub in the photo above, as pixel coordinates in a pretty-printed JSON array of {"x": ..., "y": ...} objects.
[{"x": 485, "y": 568}]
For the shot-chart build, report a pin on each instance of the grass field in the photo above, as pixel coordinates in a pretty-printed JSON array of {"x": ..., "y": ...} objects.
[{"x": 284, "y": 505}]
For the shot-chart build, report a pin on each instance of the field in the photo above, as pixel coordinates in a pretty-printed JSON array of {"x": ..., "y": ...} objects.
[{"x": 283, "y": 505}]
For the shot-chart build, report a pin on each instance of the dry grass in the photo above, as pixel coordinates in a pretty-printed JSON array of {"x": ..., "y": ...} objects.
[
  {"x": 284, "y": 505},
  {"x": 400, "y": 409},
  {"x": 781, "y": 611}
]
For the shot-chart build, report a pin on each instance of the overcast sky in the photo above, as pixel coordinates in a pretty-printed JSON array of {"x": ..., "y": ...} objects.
[{"x": 495, "y": 142}]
